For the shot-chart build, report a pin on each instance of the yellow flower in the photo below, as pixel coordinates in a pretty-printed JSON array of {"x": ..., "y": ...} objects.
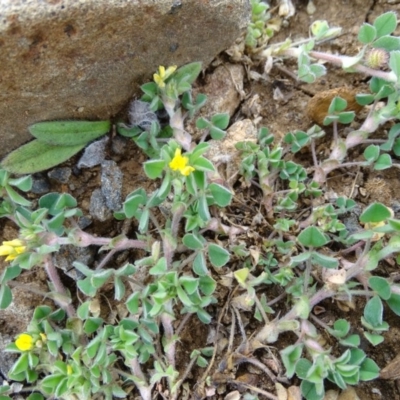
[
  {"x": 180, "y": 163},
  {"x": 69, "y": 370},
  {"x": 12, "y": 249},
  {"x": 24, "y": 342},
  {"x": 163, "y": 75}
]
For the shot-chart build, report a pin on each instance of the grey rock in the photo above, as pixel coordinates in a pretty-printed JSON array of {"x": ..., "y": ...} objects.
[
  {"x": 84, "y": 222},
  {"x": 60, "y": 174},
  {"x": 84, "y": 59},
  {"x": 111, "y": 184},
  {"x": 94, "y": 154},
  {"x": 98, "y": 208},
  {"x": 40, "y": 185},
  {"x": 119, "y": 145},
  {"x": 140, "y": 114},
  {"x": 65, "y": 257},
  {"x": 6, "y": 359}
]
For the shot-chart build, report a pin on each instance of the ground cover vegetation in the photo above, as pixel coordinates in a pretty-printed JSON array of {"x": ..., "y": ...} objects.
[{"x": 185, "y": 254}]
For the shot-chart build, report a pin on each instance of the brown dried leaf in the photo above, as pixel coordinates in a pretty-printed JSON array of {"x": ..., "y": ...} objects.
[
  {"x": 392, "y": 370},
  {"x": 317, "y": 108}
]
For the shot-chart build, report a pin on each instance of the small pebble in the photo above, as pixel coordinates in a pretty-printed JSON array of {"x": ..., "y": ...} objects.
[
  {"x": 119, "y": 145},
  {"x": 98, "y": 208},
  {"x": 84, "y": 222},
  {"x": 40, "y": 185},
  {"x": 94, "y": 154},
  {"x": 60, "y": 174},
  {"x": 111, "y": 184}
]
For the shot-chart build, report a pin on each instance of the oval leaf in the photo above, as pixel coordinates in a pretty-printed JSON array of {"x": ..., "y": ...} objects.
[
  {"x": 69, "y": 133},
  {"x": 375, "y": 212},
  {"x": 312, "y": 237},
  {"x": 36, "y": 156},
  {"x": 217, "y": 255}
]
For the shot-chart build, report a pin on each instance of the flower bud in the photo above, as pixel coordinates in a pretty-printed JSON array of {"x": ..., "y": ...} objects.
[{"x": 376, "y": 58}]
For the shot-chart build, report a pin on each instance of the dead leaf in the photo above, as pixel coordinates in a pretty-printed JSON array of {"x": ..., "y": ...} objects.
[
  {"x": 294, "y": 393},
  {"x": 281, "y": 392},
  {"x": 331, "y": 395},
  {"x": 317, "y": 108},
  {"x": 348, "y": 394}
]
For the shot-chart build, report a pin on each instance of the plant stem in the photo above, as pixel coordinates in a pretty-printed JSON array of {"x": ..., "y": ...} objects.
[
  {"x": 54, "y": 277},
  {"x": 338, "y": 60},
  {"x": 170, "y": 345}
]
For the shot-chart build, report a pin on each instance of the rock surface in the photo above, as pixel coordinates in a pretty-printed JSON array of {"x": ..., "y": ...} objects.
[{"x": 84, "y": 59}]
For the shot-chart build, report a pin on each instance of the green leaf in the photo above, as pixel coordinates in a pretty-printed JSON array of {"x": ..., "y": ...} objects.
[
  {"x": 375, "y": 212},
  {"x": 132, "y": 303},
  {"x": 222, "y": 196},
  {"x": 394, "y": 303},
  {"x": 364, "y": 99},
  {"x": 154, "y": 168},
  {"x": 11, "y": 273},
  {"x": 202, "y": 164},
  {"x": 394, "y": 63},
  {"x": 204, "y": 213},
  {"x": 384, "y": 161},
  {"x": 369, "y": 370},
  {"x": 23, "y": 183},
  {"x": 160, "y": 268},
  {"x": 290, "y": 355},
  {"x": 367, "y": 33},
  {"x": 346, "y": 117},
  {"x": 34, "y": 396},
  {"x": 17, "y": 198},
  {"x": 200, "y": 265},
  {"x": 380, "y": 286},
  {"x": 189, "y": 283},
  {"x": 183, "y": 297},
  {"x": 199, "y": 150},
  {"x": 216, "y": 133},
  {"x": 69, "y": 133},
  {"x": 371, "y": 153},
  {"x": 83, "y": 310},
  {"x": 385, "y": 24},
  {"x": 374, "y": 338},
  {"x": 220, "y": 121},
  {"x": 312, "y": 237},
  {"x": 92, "y": 324},
  {"x": 341, "y": 328},
  {"x": 36, "y": 156},
  {"x": 337, "y": 104},
  {"x": 302, "y": 367},
  {"x": 218, "y": 256},
  {"x": 207, "y": 285},
  {"x": 324, "y": 260},
  {"x": 202, "y": 123},
  {"x": 192, "y": 241},
  {"x": 388, "y": 43},
  {"x": 373, "y": 311},
  {"x": 5, "y": 296},
  {"x": 133, "y": 201},
  {"x": 188, "y": 72}
]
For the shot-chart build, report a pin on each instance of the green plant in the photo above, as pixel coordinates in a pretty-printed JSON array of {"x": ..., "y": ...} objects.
[
  {"x": 55, "y": 142},
  {"x": 182, "y": 253}
]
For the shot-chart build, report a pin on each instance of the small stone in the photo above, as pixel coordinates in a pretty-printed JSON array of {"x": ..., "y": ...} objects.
[
  {"x": 40, "y": 185},
  {"x": 119, "y": 145},
  {"x": 111, "y": 184},
  {"x": 98, "y": 208},
  {"x": 84, "y": 222},
  {"x": 60, "y": 174},
  {"x": 94, "y": 154},
  {"x": 6, "y": 359},
  {"x": 140, "y": 114},
  {"x": 64, "y": 258}
]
